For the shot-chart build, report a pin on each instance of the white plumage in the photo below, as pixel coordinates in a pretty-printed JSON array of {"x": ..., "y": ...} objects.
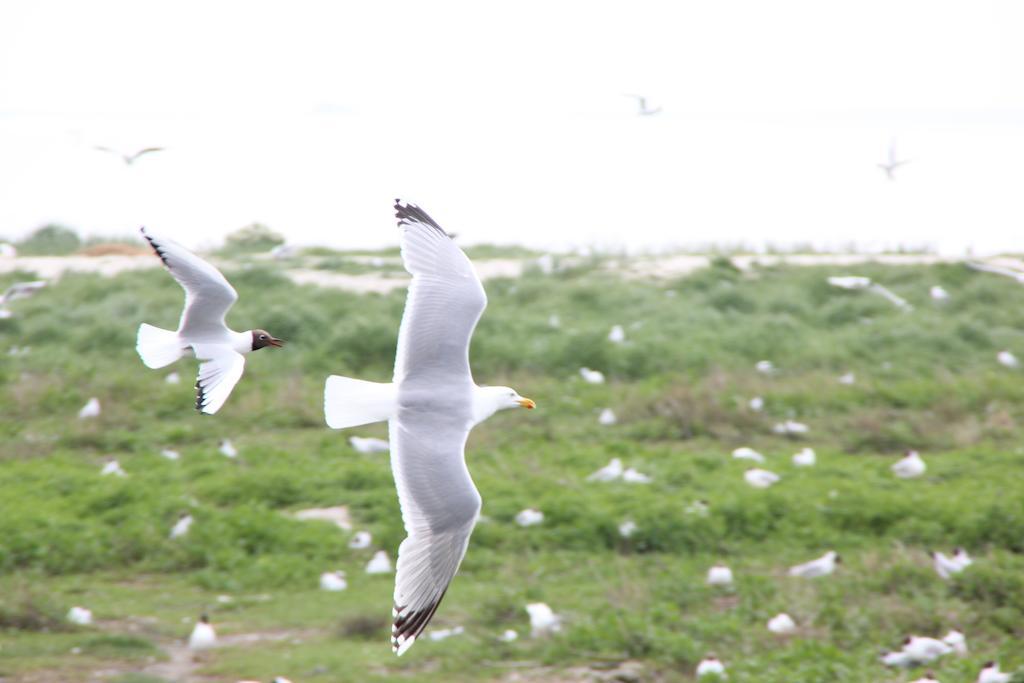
[
  {"x": 333, "y": 581},
  {"x": 543, "y": 621},
  {"x": 990, "y": 673},
  {"x": 782, "y": 624},
  {"x": 90, "y": 409},
  {"x": 759, "y": 478},
  {"x": 227, "y": 449},
  {"x": 368, "y": 444},
  {"x": 617, "y": 335},
  {"x": 80, "y": 615},
  {"x": 431, "y": 405},
  {"x": 745, "y": 453},
  {"x": 182, "y": 526},
  {"x": 610, "y": 472},
  {"x": 202, "y": 329},
  {"x": 1007, "y": 359},
  {"x": 592, "y": 376},
  {"x": 711, "y": 665},
  {"x": 719, "y": 575},
  {"x": 607, "y": 417},
  {"x": 113, "y": 468},
  {"x": 805, "y": 458},
  {"x": 360, "y": 540},
  {"x": 203, "y": 636},
  {"x": 633, "y": 476},
  {"x": 909, "y": 466},
  {"x": 822, "y": 566},
  {"x": 529, "y": 517},
  {"x": 380, "y": 563}
]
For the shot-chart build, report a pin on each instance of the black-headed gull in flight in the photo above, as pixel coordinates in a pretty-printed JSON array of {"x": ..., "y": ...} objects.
[
  {"x": 892, "y": 163},
  {"x": 208, "y": 297},
  {"x": 642, "y": 107},
  {"x": 430, "y": 405}
]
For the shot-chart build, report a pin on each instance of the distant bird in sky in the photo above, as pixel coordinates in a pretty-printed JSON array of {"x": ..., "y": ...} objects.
[
  {"x": 643, "y": 109},
  {"x": 129, "y": 159},
  {"x": 910, "y": 466},
  {"x": 203, "y": 636},
  {"x": 822, "y": 566},
  {"x": 892, "y": 163},
  {"x": 208, "y": 297}
]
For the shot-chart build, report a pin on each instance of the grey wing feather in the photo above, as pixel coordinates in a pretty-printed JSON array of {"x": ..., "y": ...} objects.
[{"x": 208, "y": 294}]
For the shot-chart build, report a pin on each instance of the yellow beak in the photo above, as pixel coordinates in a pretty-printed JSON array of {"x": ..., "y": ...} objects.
[{"x": 527, "y": 403}]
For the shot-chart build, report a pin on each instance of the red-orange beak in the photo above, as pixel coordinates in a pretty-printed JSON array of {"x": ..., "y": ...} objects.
[{"x": 527, "y": 403}]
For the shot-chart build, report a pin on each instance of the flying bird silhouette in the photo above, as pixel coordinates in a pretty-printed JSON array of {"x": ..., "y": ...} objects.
[
  {"x": 892, "y": 163},
  {"x": 642, "y": 107},
  {"x": 129, "y": 159}
]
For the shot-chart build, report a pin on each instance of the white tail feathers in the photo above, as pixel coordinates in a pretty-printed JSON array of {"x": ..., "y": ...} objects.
[
  {"x": 352, "y": 402},
  {"x": 158, "y": 347}
]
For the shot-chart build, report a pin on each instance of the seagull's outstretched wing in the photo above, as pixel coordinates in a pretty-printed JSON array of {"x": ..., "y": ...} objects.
[
  {"x": 208, "y": 295},
  {"x": 444, "y": 303},
  {"x": 218, "y": 374},
  {"x": 440, "y": 506},
  {"x": 148, "y": 150}
]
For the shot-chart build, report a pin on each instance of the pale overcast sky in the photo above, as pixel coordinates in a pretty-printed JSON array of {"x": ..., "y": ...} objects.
[{"x": 508, "y": 122}]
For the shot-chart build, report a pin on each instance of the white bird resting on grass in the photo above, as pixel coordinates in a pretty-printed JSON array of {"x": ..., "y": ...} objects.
[
  {"x": 946, "y": 566},
  {"x": 745, "y": 453},
  {"x": 592, "y": 376},
  {"x": 805, "y": 458},
  {"x": 529, "y": 517},
  {"x": 80, "y": 615},
  {"x": 719, "y": 575},
  {"x": 822, "y": 566},
  {"x": 782, "y": 624},
  {"x": 756, "y": 404},
  {"x": 857, "y": 282},
  {"x": 1007, "y": 359},
  {"x": 711, "y": 665},
  {"x": 227, "y": 449},
  {"x": 925, "y": 650},
  {"x": 937, "y": 293},
  {"x": 956, "y": 640},
  {"x": 430, "y": 405},
  {"x": 848, "y": 379},
  {"x": 543, "y": 621},
  {"x": 203, "y": 636},
  {"x": 201, "y": 330},
  {"x": 610, "y": 472},
  {"x": 765, "y": 367},
  {"x": 113, "y": 468},
  {"x": 759, "y": 478},
  {"x": 627, "y": 528},
  {"x": 380, "y": 563},
  {"x": 554, "y": 321},
  {"x": 990, "y": 673},
  {"x": 909, "y": 466},
  {"x": 617, "y": 335},
  {"x": 633, "y": 476},
  {"x": 90, "y": 409},
  {"x": 182, "y": 526},
  {"x": 508, "y": 636},
  {"x": 170, "y": 454},
  {"x": 791, "y": 428},
  {"x": 368, "y": 444},
  {"x": 333, "y": 581},
  {"x": 607, "y": 417},
  {"x": 361, "y": 540},
  {"x": 173, "y": 378}
]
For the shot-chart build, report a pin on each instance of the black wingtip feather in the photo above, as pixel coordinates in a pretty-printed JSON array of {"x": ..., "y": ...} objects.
[
  {"x": 155, "y": 246},
  {"x": 408, "y": 213},
  {"x": 412, "y": 624}
]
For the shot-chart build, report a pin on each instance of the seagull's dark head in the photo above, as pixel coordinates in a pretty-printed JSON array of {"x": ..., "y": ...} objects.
[{"x": 261, "y": 338}]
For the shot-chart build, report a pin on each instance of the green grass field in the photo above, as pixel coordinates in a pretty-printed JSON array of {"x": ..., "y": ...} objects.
[{"x": 680, "y": 386}]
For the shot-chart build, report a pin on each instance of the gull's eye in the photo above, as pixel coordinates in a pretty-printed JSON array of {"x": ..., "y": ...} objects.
[{"x": 263, "y": 337}]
